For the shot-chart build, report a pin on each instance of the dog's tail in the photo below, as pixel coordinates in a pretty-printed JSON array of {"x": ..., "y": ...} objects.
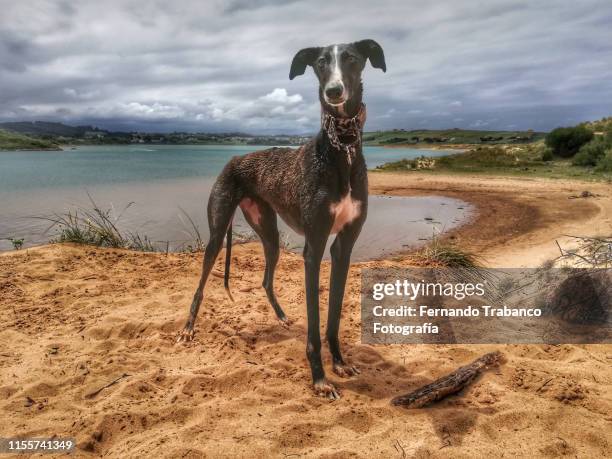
[{"x": 228, "y": 260}]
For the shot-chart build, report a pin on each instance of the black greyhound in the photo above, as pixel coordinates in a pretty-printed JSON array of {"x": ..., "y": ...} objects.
[{"x": 318, "y": 189}]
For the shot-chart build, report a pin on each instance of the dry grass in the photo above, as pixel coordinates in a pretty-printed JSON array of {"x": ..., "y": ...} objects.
[
  {"x": 439, "y": 254},
  {"x": 96, "y": 226},
  {"x": 592, "y": 252}
]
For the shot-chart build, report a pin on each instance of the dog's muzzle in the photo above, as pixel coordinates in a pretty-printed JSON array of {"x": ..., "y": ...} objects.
[{"x": 334, "y": 94}]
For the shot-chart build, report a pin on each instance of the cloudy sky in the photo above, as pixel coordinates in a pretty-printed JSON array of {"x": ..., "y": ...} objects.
[{"x": 223, "y": 65}]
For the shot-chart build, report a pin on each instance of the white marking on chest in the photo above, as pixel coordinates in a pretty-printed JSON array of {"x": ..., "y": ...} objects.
[{"x": 344, "y": 211}]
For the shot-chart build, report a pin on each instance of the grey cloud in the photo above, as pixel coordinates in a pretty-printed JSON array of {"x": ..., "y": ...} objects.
[
  {"x": 213, "y": 65},
  {"x": 248, "y": 5}
]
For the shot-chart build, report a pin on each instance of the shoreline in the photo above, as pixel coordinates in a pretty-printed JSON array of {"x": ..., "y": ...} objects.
[
  {"x": 526, "y": 213},
  {"x": 5, "y": 150},
  {"x": 517, "y": 220},
  {"x": 461, "y": 147}
]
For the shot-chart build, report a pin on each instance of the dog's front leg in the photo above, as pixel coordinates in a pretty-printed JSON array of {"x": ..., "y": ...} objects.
[
  {"x": 313, "y": 253},
  {"x": 341, "y": 258}
]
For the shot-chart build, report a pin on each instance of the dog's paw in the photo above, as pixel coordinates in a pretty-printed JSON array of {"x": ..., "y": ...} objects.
[
  {"x": 186, "y": 335},
  {"x": 345, "y": 370},
  {"x": 326, "y": 389},
  {"x": 285, "y": 322}
]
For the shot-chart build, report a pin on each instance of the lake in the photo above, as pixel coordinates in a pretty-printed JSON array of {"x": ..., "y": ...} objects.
[{"x": 160, "y": 180}]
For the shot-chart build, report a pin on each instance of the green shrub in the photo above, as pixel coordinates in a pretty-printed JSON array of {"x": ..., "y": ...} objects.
[
  {"x": 480, "y": 156},
  {"x": 17, "y": 243},
  {"x": 492, "y": 157},
  {"x": 547, "y": 155},
  {"x": 590, "y": 153},
  {"x": 566, "y": 141},
  {"x": 402, "y": 164},
  {"x": 605, "y": 162}
]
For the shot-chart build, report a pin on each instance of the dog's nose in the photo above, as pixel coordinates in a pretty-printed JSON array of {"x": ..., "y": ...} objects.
[{"x": 334, "y": 91}]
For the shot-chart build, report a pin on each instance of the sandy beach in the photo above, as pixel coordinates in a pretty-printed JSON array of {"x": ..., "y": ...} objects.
[{"x": 76, "y": 319}]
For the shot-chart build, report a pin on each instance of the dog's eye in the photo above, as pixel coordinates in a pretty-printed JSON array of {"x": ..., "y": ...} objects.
[
  {"x": 351, "y": 59},
  {"x": 321, "y": 62}
]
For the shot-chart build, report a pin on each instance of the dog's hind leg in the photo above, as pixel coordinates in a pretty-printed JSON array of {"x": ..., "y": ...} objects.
[
  {"x": 262, "y": 218},
  {"x": 223, "y": 201}
]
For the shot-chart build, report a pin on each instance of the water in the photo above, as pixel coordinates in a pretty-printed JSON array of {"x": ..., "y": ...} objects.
[{"x": 161, "y": 179}]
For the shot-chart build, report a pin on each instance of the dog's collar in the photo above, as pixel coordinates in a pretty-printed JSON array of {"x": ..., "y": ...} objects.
[{"x": 352, "y": 127}]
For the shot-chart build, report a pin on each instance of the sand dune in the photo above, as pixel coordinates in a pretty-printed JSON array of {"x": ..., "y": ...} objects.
[{"x": 74, "y": 319}]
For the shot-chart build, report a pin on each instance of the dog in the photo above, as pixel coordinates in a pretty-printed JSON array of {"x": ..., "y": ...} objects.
[{"x": 318, "y": 189}]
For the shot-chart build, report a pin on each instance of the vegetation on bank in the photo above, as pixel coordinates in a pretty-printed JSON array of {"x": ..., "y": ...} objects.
[
  {"x": 14, "y": 141},
  {"x": 96, "y": 226},
  {"x": 599, "y": 126},
  {"x": 449, "y": 137},
  {"x": 577, "y": 152},
  {"x": 566, "y": 141},
  {"x": 586, "y": 147},
  {"x": 64, "y": 134}
]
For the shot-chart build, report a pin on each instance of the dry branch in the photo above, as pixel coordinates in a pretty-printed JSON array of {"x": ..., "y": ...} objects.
[
  {"x": 449, "y": 384},
  {"x": 106, "y": 386}
]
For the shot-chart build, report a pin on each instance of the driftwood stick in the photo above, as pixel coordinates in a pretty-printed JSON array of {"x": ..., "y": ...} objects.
[
  {"x": 449, "y": 384},
  {"x": 112, "y": 383}
]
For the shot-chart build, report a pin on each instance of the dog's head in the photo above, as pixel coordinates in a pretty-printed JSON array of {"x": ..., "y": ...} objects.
[{"x": 338, "y": 68}]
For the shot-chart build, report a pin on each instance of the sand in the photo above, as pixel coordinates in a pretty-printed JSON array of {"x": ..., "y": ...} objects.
[{"x": 76, "y": 318}]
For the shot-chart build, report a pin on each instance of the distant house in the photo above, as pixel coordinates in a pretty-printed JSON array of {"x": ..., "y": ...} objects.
[{"x": 94, "y": 134}]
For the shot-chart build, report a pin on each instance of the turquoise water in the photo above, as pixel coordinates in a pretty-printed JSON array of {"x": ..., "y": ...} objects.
[
  {"x": 161, "y": 179},
  {"x": 97, "y": 165}
]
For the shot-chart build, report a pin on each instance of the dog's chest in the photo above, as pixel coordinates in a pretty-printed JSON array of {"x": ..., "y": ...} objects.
[{"x": 344, "y": 211}]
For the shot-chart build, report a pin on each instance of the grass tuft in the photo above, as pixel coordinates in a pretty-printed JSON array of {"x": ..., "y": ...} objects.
[
  {"x": 192, "y": 231},
  {"x": 96, "y": 226},
  {"x": 438, "y": 254}
]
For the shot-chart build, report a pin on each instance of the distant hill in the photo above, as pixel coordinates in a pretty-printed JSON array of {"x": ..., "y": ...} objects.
[
  {"x": 59, "y": 133},
  {"x": 14, "y": 141},
  {"x": 64, "y": 134},
  {"x": 44, "y": 128},
  {"x": 449, "y": 137}
]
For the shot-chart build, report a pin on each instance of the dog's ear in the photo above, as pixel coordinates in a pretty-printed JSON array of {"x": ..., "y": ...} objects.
[
  {"x": 303, "y": 58},
  {"x": 372, "y": 50}
]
